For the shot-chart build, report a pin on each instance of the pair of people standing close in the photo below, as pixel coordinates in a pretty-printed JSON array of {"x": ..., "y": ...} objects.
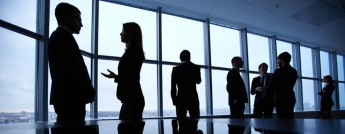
[
  {"x": 275, "y": 90},
  {"x": 71, "y": 85}
]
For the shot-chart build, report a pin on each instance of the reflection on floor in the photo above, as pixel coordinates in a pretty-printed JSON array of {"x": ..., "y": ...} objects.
[{"x": 172, "y": 126}]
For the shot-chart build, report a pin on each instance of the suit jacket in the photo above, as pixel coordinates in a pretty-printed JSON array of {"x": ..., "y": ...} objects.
[
  {"x": 235, "y": 87},
  {"x": 128, "y": 78},
  {"x": 326, "y": 97},
  {"x": 185, "y": 76},
  {"x": 71, "y": 82},
  {"x": 282, "y": 84},
  {"x": 256, "y": 82}
]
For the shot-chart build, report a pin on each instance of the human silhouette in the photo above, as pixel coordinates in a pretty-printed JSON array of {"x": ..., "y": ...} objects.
[{"x": 71, "y": 87}]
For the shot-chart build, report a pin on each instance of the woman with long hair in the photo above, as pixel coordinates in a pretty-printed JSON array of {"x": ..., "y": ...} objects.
[
  {"x": 326, "y": 97},
  {"x": 128, "y": 78}
]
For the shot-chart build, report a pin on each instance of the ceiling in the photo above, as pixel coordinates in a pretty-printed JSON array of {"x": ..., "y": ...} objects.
[{"x": 314, "y": 23}]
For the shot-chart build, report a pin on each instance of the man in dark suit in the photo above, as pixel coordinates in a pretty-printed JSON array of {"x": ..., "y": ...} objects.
[
  {"x": 282, "y": 84},
  {"x": 236, "y": 89},
  {"x": 263, "y": 99},
  {"x": 185, "y": 76},
  {"x": 71, "y": 86}
]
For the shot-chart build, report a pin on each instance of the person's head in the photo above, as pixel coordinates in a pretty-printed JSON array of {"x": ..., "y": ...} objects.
[
  {"x": 237, "y": 62},
  {"x": 68, "y": 16},
  {"x": 283, "y": 59},
  {"x": 263, "y": 68},
  {"x": 185, "y": 55},
  {"x": 131, "y": 34},
  {"x": 327, "y": 79}
]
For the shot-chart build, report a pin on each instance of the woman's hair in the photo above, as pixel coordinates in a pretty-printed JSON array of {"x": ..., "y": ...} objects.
[
  {"x": 330, "y": 79},
  {"x": 133, "y": 31}
]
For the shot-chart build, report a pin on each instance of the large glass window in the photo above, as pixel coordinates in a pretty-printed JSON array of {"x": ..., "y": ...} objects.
[
  {"x": 108, "y": 104},
  {"x": 341, "y": 95},
  {"x": 285, "y": 47},
  {"x": 179, "y": 34},
  {"x": 19, "y": 12},
  {"x": 258, "y": 51},
  {"x": 219, "y": 93},
  {"x": 307, "y": 60},
  {"x": 225, "y": 44},
  {"x": 17, "y": 79},
  {"x": 340, "y": 64},
  {"x": 168, "y": 107},
  {"x": 324, "y": 61},
  {"x": 308, "y": 95},
  {"x": 85, "y": 7},
  {"x": 111, "y": 19},
  {"x": 51, "y": 112}
]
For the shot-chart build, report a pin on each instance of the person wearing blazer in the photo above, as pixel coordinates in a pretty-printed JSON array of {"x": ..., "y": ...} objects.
[
  {"x": 263, "y": 102},
  {"x": 282, "y": 84},
  {"x": 236, "y": 89},
  {"x": 185, "y": 76},
  {"x": 71, "y": 87},
  {"x": 326, "y": 97},
  {"x": 128, "y": 79}
]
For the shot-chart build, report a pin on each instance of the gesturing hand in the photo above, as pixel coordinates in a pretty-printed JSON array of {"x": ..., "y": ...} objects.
[{"x": 111, "y": 75}]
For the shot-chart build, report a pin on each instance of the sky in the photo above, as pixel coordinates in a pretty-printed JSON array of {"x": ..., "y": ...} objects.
[{"x": 17, "y": 54}]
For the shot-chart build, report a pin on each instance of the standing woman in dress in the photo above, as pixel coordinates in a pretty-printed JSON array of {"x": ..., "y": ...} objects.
[
  {"x": 128, "y": 78},
  {"x": 326, "y": 97}
]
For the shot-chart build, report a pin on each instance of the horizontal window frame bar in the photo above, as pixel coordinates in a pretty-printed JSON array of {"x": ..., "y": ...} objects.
[{"x": 20, "y": 30}]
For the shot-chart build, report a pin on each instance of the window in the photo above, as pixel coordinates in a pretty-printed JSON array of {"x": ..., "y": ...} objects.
[
  {"x": 113, "y": 16},
  {"x": 17, "y": 79},
  {"x": 324, "y": 61},
  {"x": 284, "y": 47},
  {"x": 252, "y": 97},
  {"x": 307, "y": 60},
  {"x": 308, "y": 95},
  {"x": 341, "y": 95},
  {"x": 51, "y": 112},
  {"x": 340, "y": 64},
  {"x": 148, "y": 82},
  {"x": 219, "y": 93},
  {"x": 258, "y": 51},
  {"x": 179, "y": 34},
  {"x": 85, "y": 7},
  {"x": 168, "y": 107},
  {"x": 225, "y": 44},
  {"x": 20, "y": 13}
]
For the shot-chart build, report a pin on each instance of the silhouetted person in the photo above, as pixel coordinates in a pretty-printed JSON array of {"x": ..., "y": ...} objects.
[
  {"x": 131, "y": 128},
  {"x": 326, "y": 97},
  {"x": 183, "y": 126},
  {"x": 71, "y": 87},
  {"x": 185, "y": 76},
  {"x": 282, "y": 84},
  {"x": 92, "y": 129},
  {"x": 128, "y": 79},
  {"x": 236, "y": 89},
  {"x": 263, "y": 99}
]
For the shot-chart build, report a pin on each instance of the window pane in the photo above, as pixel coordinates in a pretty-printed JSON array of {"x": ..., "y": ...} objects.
[
  {"x": 258, "y": 51},
  {"x": 340, "y": 64},
  {"x": 324, "y": 60},
  {"x": 252, "y": 97},
  {"x": 341, "y": 95},
  {"x": 179, "y": 34},
  {"x": 308, "y": 95},
  {"x": 307, "y": 60},
  {"x": 85, "y": 7},
  {"x": 285, "y": 47},
  {"x": 219, "y": 93},
  {"x": 19, "y": 12},
  {"x": 51, "y": 112},
  {"x": 113, "y": 16},
  {"x": 225, "y": 44},
  {"x": 168, "y": 107},
  {"x": 17, "y": 79},
  {"x": 148, "y": 82}
]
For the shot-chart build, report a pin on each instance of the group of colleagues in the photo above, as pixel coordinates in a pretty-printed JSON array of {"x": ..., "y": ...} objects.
[{"x": 72, "y": 89}]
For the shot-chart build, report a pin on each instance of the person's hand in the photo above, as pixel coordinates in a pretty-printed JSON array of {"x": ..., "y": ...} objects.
[
  {"x": 111, "y": 75},
  {"x": 127, "y": 112},
  {"x": 323, "y": 91},
  {"x": 259, "y": 89},
  {"x": 235, "y": 101}
]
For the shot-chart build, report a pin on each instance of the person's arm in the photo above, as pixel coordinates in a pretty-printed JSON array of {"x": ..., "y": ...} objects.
[
  {"x": 198, "y": 75},
  {"x": 272, "y": 83},
  {"x": 231, "y": 85},
  {"x": 173, "y": 86},
  {"x": 253, "y": 87}
]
